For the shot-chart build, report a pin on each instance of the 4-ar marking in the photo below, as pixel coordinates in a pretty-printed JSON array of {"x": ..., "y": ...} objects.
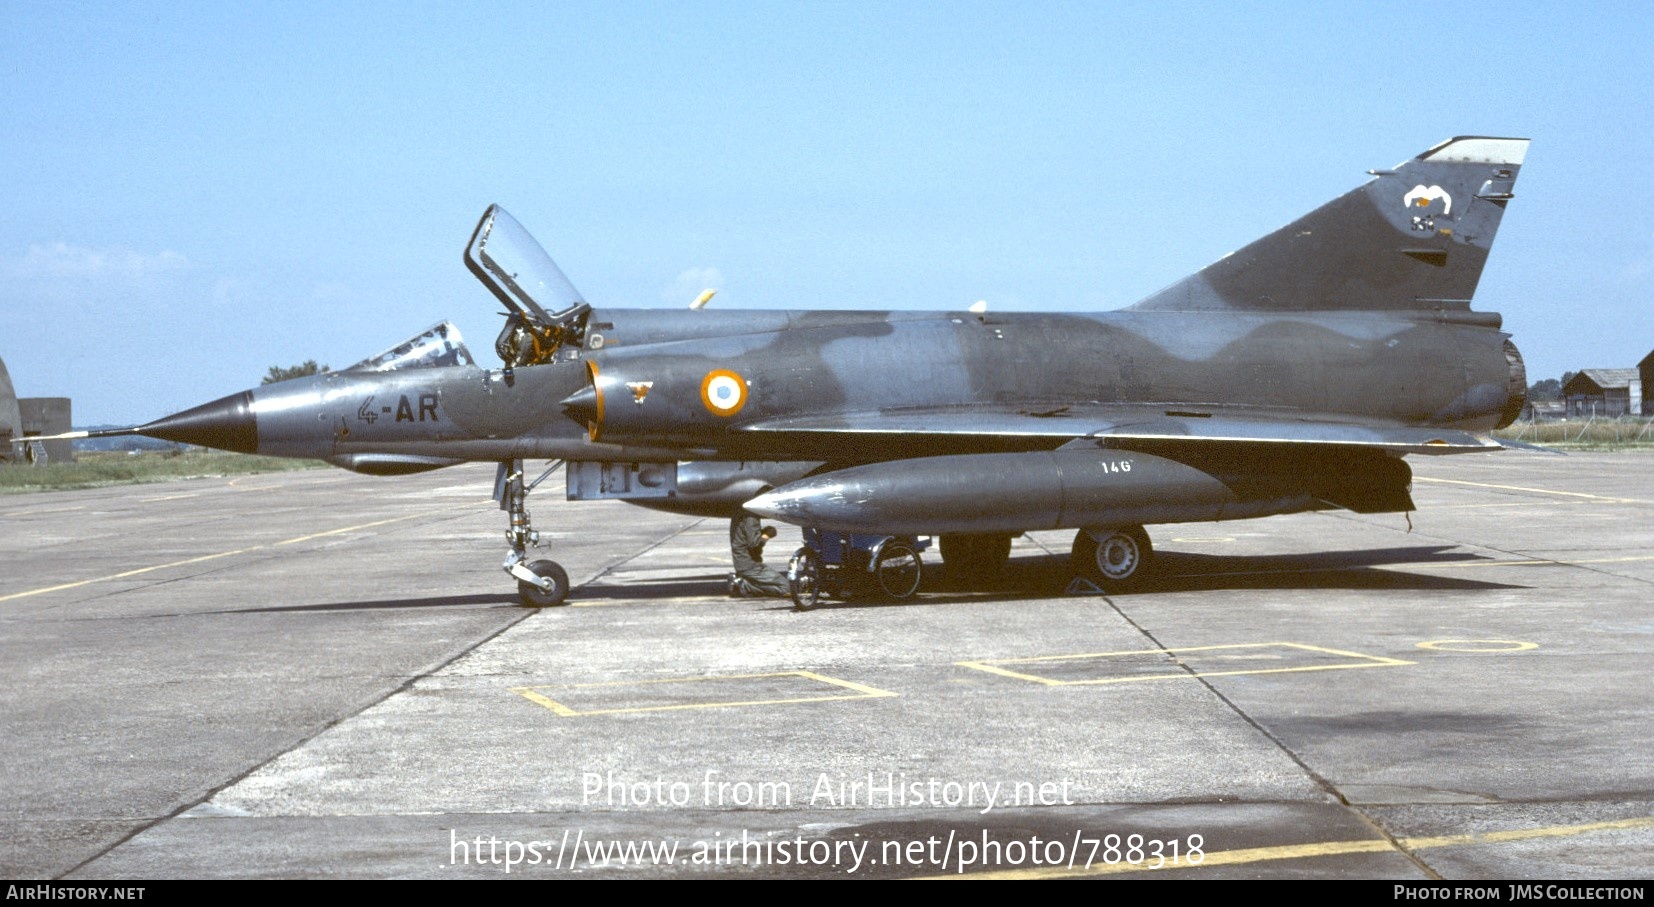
[
  {"x": 406, "y": 410},
  {"x": 427, "y": 409}
]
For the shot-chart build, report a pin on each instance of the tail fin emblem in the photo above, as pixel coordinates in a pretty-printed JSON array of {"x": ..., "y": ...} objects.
[{"x": 1422, "y": 196}]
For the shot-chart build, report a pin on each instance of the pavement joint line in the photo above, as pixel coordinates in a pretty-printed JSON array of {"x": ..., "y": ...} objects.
[
  {"x": 1315, "y": 849},
  {"x": 347, "y": 714},
  {"x": 610, "y": 568},
  {"x": 208, "y": 557},
  {"x": 1317, "y": 778}
]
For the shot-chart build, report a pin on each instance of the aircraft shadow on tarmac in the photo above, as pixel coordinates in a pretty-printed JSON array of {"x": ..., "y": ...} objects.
[
  {"x": 1354, "y": 569},
  {"x": 1047, "y": 576},
  {"x": 1034, "y": 577}
]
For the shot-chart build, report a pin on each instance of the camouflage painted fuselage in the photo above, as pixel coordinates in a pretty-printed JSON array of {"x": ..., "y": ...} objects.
[{"x": 1291, "y": 374}]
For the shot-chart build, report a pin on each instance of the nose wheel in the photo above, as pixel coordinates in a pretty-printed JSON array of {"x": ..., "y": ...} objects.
[
  {"x": 542, "y": 583},
  {"x": 555, "y": 589}
]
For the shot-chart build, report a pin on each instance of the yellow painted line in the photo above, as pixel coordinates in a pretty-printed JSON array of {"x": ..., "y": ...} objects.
[
  {"x": 861, "y": 691},
  {"x": 1308, "y": 851},
  {"x": 236, "y": 482},
  {"x": 992, "y": 667},
  {"x": 1571, "y": 494},
  {"x": 209, "y": 557},
  {"x": 1217, "y": 858},
  {"x": 359, "y": 526},
  {"x": 36, "y": 510},
  {"x": 1476, "y": 645},
  {"x": 529, "y": 694},
  {"x": 870, "y": 692},
  {"x": 1609, "y": 560},
  {"x": 113, "y": 576},
  {"x": 1526, "y": 834}
]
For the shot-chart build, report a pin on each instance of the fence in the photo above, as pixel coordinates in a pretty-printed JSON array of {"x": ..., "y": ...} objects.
[{"x": 1594, "y": 431}]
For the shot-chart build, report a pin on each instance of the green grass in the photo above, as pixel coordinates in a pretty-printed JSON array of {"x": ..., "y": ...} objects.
[
  {"x": 1584, "y": 434},
  {"x": 92, "y": 470}
]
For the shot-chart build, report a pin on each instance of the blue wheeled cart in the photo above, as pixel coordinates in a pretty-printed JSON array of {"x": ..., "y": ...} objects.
[{"x": 837, "y": 565}]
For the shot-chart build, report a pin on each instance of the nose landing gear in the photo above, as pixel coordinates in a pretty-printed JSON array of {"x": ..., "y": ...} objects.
[{"x": 541, "y": 583}]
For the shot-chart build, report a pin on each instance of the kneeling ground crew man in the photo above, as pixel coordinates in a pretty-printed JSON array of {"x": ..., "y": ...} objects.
[{"x": 746, "y": 548}]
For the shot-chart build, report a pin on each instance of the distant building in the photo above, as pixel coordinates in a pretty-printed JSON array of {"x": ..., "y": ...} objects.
[
  {"x": 1605, "y": 392},
  {"x": 22, "y": 418},
  {"x": 1544, "y": 410},
  {"x": 1645, "y": 369},
  {"x": 47, "y": 416}
]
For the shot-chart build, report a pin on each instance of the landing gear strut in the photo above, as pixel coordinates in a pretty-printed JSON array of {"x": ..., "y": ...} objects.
[{"x": 542, "y": 583}]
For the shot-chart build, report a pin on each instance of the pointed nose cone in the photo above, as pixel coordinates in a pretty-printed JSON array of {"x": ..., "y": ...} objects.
[
  {"x": 226, "y": 423},
  {"x": 764, "y": 506},
  {"x": 789, "y": 504},
  {"x": 584, "y": 406}
]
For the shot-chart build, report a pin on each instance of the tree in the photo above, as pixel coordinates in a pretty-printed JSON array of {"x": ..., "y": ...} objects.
[
  {"x": 1545, "y": 391},
  {"x": 308, "y": 367}
]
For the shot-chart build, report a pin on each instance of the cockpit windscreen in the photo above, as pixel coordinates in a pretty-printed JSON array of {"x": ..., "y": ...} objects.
[{"x": 438, "y": 345}]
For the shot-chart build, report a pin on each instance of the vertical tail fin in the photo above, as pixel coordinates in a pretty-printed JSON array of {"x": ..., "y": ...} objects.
[
  {"x": 11, "y": 419},
  {"x": 1415, "y": 237}
]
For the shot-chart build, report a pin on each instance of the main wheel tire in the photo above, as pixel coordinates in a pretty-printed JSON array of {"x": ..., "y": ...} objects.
[
  {"x": 898, "y": 570},
  {"x": 1118, "y": 561},
  {"x": 804, "y": 579},
  {"x": 976, "y": 556},
  {"x": 536, "y": 597}
]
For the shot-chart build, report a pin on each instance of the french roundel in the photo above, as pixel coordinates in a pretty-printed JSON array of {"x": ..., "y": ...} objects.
[{"x": 724, "y": 392}]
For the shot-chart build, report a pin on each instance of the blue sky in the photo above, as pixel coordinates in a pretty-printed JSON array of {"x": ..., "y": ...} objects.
[{"x": 196, "y": 192}]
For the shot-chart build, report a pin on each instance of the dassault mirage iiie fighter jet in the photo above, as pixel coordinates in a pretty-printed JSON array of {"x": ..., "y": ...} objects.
[{"x": 1291, "y": 375}]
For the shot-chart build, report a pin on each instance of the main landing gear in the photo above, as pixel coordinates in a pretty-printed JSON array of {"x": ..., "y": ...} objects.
[
  {"x": 540, "y": 583},
  {"x": 1114, "y": 560}
]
